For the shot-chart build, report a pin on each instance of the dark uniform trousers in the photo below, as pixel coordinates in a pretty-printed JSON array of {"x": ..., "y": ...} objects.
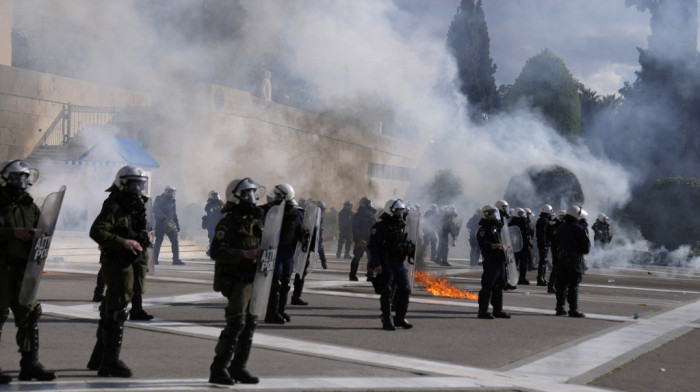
[
  {"x": 492, "y": 282},
  {"x": 237, "y": 337},
  {"x": 398, "y": 289}
]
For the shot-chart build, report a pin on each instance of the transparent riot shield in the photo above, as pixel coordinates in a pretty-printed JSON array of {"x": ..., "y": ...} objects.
[
  {"x": 151, "y": 261},
  {"x": 313, "y": 256},
  {"x": 40, "y": 246},
  {"x": 413, "y": 235},
  {"x": 265, "y": 267},
  {"x": 311, "y": 217},
  {"x": 513, "y": 242}
]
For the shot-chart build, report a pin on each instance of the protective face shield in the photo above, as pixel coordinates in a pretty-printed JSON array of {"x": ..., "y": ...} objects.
[
  {"x": 574, "y": 212},
  {"x": 490, "y": 212},
  {"x": 244, "y": 190},
  {"x": 503, "y": 207},
  {"x": 520, "y": 213},
  {"x": 132, "y": 179},
  {"x": 547, "y": 209},
  {"x": 528, "y": 212},
  {"x": 282, "y": 193},
  {"x": 395, "y": 207},
  {"x": 17, "y": 176},
  {"x": 603, "y": 218},
  {"x": 170, "y": 191}
]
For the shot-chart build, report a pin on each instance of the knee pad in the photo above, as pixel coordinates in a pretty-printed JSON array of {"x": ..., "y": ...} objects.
[
  {"x": 250, "y": 323},
  {"x": 237, "y": 323},
  {"x": 119, "y": 316}
]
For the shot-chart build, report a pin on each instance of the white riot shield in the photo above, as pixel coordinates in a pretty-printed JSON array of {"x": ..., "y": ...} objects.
[
  {"x": 413, "y": 235},
  {"x": 510, "y": 235},
  {"x": 265, "y": 267},
  {"x": 40, "y": 246},
  {"x": 311, "y": 216}
]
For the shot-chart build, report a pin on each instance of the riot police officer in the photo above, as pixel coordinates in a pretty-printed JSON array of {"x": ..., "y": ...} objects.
[
  {"x": 345, "y": 230},
  {"x": 19, "y": 217},
  {"x": 552, "y": 240},
  {"x": 446, "y": 228},
  {"x": 292, "y": 232},
  {"x": 601, "y": 231},
  {"x": 522, "y": 258},
  {"x": 472, "y": 227},
  {"x": 120, "y": 231},
  {"x": 541, "y": 226},
  {"x": 429, "y": 228},
  {"x": 388, "y": 249},
  {"x": 493, "y": 280},
  {"x": 167, "y": 224},
  {"x": 572, "y": 244},
  {"x": 212, "y": 215},
  {"x": 362, "y": 223},
  {"x": 235, "y": 249},
  {"x": 300, "y": 279}
]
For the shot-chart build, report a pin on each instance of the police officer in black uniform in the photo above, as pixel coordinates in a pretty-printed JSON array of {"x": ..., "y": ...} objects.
[
  {"x": 19, "y": 217},
  {"x": 523, "y": 257},
  {"x": 472, "y": 227},
  {"x": 541, "y": 226},
  {"x": 552, "y": 240},
  {"x": 291, "y": 233},
  {"x": 167, "y": 224},
  {"x": 120, "y": 230},
  {"x": 572, "y": 244},
  {"x": 493, "y": 279},
  {"x": 388, "y": 248},
  {"x": 362, "y": 223},
  {"x": 429, "y": 227},
  {"x": 345, "y": 230},
  {"x": 601, "y": 231},
  {"x": 212, "y": 215},
  {"x": 235, "y": 250}
]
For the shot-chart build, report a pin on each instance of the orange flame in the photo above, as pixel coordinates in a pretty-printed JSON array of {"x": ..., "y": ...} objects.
[{"x": 440, "y": 287}]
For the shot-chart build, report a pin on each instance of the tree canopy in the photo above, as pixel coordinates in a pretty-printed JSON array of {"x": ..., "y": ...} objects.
[{"x": 546, "y": 83}]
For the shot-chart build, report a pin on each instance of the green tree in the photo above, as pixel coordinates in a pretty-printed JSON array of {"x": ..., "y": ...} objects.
[
  {"x": 546, "y": 83},
  {"x": 468, "y": 41},
  {"x": 444, "y": 188},
  {"x": 538, "y": 185}
]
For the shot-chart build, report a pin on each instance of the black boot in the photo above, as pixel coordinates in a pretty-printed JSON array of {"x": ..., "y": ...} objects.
[
  {"x": 284, "y": 294},
  {"x": 354, "y": 265},
  {"x": 272, "y": 316},
  {"x": 385, "y": 306},
  {"x": 572, "y": 298},
  {"x": 484, "y": 298},
  {"x": 137, "y": 313},
  {"x": 112, "y": 334},
  {"x": 237, "y": 369},
  {"x": 402, "y": 299},
  {"x": 30, "y": 367},
  {"x": 541, "y": 273},
  {"x": 96, "y": 356},
  {"x": 218, "y": 373},
  {"x": 298, "y": 288},
  {"x": 561, "y": 301},
  {"x": 4, "y": 378},
  {"x": 497, "y": 302},
  {"x": 228, "y": 339}
]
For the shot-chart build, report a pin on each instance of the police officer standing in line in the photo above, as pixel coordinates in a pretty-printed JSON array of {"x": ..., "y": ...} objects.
[
  {"x": 551, "y": 238},
  {"x": 19, "y": 217},
  {"x": 572, "y": 244},
  {"x": 472, "y": 227},
  {"x": 494, "y": 277},
  {"x": 522, "y": 258},
  {"x": 345, "y": 230},
  {"x": 388, "y": 249},
  {"x": 235, "y": 251},
  {"x": 362, "y": 223},
  {"x": 213, "y": 215},
  {"x": 541, "y": 226},
  {"x": 429, "y": 226},
  {"x": 446, "y": 228},
  {"x": 120, "y": 231},
  {"x": 167, "y": 224},
  {"x": 292, "y": 231}
]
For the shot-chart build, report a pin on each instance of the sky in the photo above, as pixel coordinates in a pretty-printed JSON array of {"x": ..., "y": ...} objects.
[{"x": 597, "y": 39}]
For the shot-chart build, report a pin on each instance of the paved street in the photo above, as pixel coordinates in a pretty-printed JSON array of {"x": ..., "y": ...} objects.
[{"x": 337, "y": 344}]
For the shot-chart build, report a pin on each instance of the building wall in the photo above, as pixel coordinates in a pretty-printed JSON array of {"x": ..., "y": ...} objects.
[
  {"x": 217, "y": 135},
  {"x": 30, "y": 101}
]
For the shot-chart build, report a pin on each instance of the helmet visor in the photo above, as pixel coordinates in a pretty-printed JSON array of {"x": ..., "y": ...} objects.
[{"x": 136, "y": 186}]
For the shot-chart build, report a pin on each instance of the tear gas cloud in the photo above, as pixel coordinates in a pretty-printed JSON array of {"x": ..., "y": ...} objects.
[{"x": 344, "y": 49}]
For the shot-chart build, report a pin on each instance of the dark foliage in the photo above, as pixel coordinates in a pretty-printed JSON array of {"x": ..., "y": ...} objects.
[{"x": 538, "y": 185}]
